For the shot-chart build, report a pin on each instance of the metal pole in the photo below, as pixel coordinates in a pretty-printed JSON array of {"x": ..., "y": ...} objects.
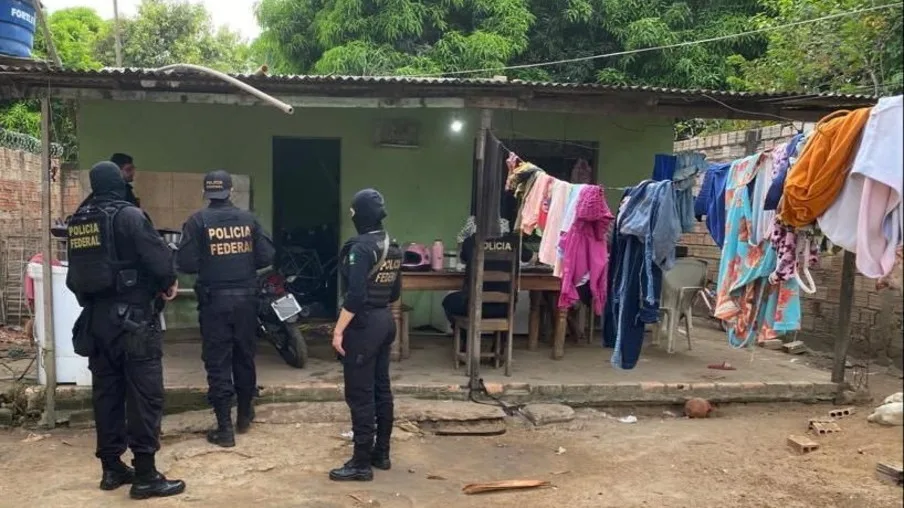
[
  {"x": 845, "y": 305},
  {"x": 49, "y": 346},
  {"x": 51, "y": 49},
  {"x": 117, "y": 37},
  {"x": 475, "y": 296}
]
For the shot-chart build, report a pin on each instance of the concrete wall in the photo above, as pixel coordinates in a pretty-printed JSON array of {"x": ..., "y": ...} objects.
[
  {"x": 877, "y": 315},
  {"x": 427, "y": 189}
]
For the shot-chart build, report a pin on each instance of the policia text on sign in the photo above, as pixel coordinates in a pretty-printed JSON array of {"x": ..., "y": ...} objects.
[{"x": 84, "y": 236}]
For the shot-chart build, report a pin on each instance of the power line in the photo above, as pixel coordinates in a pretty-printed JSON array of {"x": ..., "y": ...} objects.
[{"x": 668, "y": 46}]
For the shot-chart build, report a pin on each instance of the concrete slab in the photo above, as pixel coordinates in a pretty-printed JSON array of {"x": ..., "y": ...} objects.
[
  {"x": 583, "y": 377},
  {"x": 548, "y": 414}
]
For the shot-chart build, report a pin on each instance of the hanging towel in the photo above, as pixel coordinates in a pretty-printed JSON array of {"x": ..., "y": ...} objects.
[
  {"x": 586, "y": 250},
  {"x": 774, "y": 195},
  {"x": 816, "y": 179},
  {"x": 557, "y": 204}
]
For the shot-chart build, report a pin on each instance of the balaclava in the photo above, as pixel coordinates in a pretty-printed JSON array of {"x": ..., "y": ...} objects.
[
  {"x": 107, "y": 182},
  {"x": 369, "y": 211}
]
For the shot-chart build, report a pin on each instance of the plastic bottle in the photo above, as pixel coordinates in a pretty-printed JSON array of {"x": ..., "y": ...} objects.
[{"x": 436, "y": 255}]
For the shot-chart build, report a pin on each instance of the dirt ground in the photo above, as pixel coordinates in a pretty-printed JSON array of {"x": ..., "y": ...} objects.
[{"x": 738, "y": 459}]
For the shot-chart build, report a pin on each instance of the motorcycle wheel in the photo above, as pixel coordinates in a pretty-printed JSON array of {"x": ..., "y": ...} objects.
[{"x": 295, "y": 349}]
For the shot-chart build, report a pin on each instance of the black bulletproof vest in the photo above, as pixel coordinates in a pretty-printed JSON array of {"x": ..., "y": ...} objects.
[
  {"x": 94, "y": 263},
  {"x": 381, "y": 281},
  {"x": 228, "y": 249},
  {"x": 382, "y": 276},
  {"x": 499, "y": 255}
]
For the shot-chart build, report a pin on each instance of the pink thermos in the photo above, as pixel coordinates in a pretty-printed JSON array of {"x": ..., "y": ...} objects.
[{"x": 436, "y": 256}]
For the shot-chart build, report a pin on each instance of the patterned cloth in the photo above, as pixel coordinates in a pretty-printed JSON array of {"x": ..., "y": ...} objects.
[{"x": 753, "y": 307}]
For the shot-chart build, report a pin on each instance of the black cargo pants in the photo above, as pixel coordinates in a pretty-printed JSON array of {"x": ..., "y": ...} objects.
[
  {"x": 127, "y": 382},
  {"x": 228, "y": 320},
  {"x": 367, "y": 343}
]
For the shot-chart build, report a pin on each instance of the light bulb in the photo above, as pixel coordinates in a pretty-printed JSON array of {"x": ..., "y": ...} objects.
[{"x": 457, "y": 125}]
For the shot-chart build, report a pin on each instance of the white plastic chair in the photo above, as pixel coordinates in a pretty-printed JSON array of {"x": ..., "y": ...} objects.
[{"x": 679, "y": 290}]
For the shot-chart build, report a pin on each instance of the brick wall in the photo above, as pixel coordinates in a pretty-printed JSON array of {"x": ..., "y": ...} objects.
[
  {"x": 877, "y": 330},
  {"x": 20, "y": 218}
]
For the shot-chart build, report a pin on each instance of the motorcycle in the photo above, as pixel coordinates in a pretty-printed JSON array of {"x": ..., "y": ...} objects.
[{"x": 278, "y": 316}]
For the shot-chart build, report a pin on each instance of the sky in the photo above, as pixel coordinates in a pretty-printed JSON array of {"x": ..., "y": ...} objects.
[{"x": 237, "y": 14}]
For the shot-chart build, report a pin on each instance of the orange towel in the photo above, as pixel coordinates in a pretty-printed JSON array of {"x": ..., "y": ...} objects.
[{"x": 816, "y": 179}]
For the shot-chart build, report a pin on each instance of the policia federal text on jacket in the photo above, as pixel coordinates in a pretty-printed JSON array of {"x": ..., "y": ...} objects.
[
  {"x": 364, "y": 334},
  {"x": 118, "y": 265},
  {"x": 226, "y": 246}
]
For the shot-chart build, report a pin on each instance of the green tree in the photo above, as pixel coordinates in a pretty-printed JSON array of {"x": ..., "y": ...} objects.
[
  {"x": 375, "y": 37},
  {"x": 75, "y": 33},
  {"x": 861, "y": 53},
  {"x": 165, "y": 32}
]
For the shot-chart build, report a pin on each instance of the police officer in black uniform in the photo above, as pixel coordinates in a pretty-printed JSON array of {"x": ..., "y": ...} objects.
[
  {"x": 364, "y": 334},
  {"x": 225, "y": 246},
  {"x": 118, "y": 266}
]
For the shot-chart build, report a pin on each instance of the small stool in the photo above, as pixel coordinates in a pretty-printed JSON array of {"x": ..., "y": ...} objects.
[{"x": 404, "y": 343}]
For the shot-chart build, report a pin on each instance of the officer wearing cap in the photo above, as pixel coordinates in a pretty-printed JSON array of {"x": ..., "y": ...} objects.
[
  {"x": 225, "y": 246},
  {"x": 364, "y": 333},
  {"x": 118, "y": 265}
]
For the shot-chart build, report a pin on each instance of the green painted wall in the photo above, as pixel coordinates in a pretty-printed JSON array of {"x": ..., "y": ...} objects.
[{"x": 427, "y": 189}]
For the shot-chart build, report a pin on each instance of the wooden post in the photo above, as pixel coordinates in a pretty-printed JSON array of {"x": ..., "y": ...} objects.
[
  {"x": 475, "y": 296},
  {"x": 845, "y": 305},
  {"x": 49, "y": 346}
]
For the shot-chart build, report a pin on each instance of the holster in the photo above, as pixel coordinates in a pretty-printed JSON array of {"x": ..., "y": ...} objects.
[{"x": 140, "y": 326}]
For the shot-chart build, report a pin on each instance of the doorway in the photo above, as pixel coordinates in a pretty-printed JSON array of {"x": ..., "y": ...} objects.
[{"x": 306, "y": 219}]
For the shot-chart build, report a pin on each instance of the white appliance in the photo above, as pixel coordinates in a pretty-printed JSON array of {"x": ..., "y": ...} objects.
[{"x": 70, "y": 367}]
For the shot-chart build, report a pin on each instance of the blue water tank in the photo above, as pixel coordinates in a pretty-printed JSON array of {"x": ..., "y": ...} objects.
[{"x": 17, "y": 28}]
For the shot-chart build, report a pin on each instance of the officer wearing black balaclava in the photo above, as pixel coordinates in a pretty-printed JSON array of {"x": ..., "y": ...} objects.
[
  {"x": 225, "y": 246},
  {"x": 118, "y": 266},
  {"x": 364, "y": 334}
]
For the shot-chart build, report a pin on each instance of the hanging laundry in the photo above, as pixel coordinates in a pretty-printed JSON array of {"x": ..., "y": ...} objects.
[
  {"x": 753, "y": 308},
  {"x": 682, "y": 169},
  {"x": 867, "y": 214},
  {"x": 782, "y": 163},
  {"x": 636, "y": 279},
  {"x": 533, "y": 202},
  {"x": 760, "y": 218},
  {"x": 581, "y": 172},
  {"x": 880, "y": 161},
  {"x": 586, "y": 250},
  {"x": 796, "y": 254},
  {"x": 558, "y": 202},
  {"x": 816, "y": 179},
  {"x": 651, "y": 216},
  {"x": 711, "y": 201},
  {"x": 519, "y": 178}
]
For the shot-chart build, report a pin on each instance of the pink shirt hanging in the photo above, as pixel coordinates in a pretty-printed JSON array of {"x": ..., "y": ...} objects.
[{"x": 586, "y": 247}]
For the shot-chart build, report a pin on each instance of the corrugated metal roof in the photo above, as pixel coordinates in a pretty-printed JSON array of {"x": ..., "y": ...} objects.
[{"x": 137, "y": 73}]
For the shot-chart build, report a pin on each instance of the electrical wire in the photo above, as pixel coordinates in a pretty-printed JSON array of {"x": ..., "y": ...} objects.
[{"x": 667, "y": 46}]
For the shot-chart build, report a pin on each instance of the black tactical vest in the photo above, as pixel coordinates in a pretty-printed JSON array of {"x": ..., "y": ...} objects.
[
  {"x": 384, "y": 273},
  {"x": 227, "y": 249},
  {"x": 94, "y": 263}
]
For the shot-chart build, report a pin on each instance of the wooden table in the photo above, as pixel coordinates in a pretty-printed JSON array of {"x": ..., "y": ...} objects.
[{"x": 536, "y": 283}]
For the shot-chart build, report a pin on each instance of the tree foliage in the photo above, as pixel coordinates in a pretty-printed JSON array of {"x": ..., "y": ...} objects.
[
  {"x": 376, "y": 37},
  {"x": 863, "y": 53}
]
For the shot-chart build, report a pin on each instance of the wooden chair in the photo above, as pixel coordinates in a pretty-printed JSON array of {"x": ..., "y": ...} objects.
[
  {"x": 501, "y": 328},
  {"x": 404, "y": 343}
]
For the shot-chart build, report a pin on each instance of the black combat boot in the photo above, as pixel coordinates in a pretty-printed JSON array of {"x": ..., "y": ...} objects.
[
  {"x": 356, "y": 470},
  {"x": 115, "y": 474},
  {"x": 245, "y": 415},
  {"x": 379, "y": 457},
  {"x": 150, "y": 483},
  {"x": 224, "y": 434}
]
